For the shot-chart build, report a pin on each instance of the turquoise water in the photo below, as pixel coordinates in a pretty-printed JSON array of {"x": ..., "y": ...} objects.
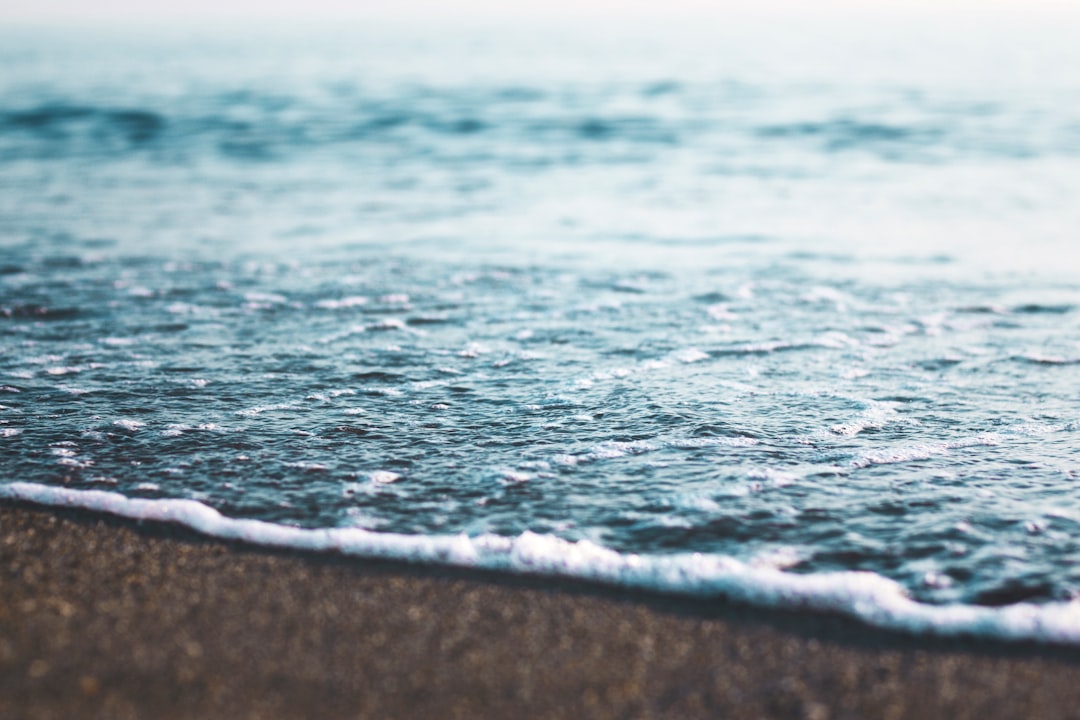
[{"x": 655, "y": 296}]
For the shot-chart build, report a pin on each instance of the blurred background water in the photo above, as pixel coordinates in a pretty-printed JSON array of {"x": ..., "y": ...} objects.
[{"x": 803, "y": 296}]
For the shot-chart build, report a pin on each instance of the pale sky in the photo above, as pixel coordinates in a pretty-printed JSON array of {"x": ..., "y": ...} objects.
[{"x": 111, "y": 12}]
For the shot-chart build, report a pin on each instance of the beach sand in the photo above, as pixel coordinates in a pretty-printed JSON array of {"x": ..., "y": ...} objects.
[{"x": 106, "y": 618}]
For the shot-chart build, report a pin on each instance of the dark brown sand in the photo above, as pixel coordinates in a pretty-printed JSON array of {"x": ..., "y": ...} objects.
[{"x": 102, "y": 618}]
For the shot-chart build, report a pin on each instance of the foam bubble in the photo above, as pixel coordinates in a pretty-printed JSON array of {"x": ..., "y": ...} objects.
[
  {"x": 690, "y": 355},
  {"x": 263, "y": 298},
  {"x": 343, "y": 303},
  {"x": 128, "y": 424},
  {"x": 704, "y": 442},
  {"x": 922, "y": 451},
  {"x": 260, "y": 409}
]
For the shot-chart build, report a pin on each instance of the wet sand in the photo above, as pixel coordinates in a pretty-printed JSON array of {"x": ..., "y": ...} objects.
[{"x": 106, "y": 618}]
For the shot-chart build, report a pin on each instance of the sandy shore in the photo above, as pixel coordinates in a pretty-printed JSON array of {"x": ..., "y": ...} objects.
[{"x": 102, "y": 618}]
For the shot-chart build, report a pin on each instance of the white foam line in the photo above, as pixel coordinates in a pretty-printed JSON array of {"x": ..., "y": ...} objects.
[{"x": 871, "y": 598}]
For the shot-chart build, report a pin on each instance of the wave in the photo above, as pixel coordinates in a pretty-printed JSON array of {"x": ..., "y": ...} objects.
[
  {"x": 60, "y": 121},
  {"x": 265, "y": 129},
  {"x": 1038, "y": 358},
  {"x": 848, "y": 133},
  {"x": 254, "y": 127},
  {"x": 865, "y": 596}
]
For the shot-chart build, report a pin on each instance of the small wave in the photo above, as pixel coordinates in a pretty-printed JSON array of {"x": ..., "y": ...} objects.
[
  {"x": 342, "y": 303},
  {"x": 632, "y": 129},
  {"x": 873, "y": 418},
  {"x": 704, "y": 442},
  {"x": 1036, "y": 358},
  {"x": 848, "y": 134},
  {"x": 690, "y": 355},
  {"x": 865, "y": 596},
  {"x": 270, "y": 130},
  {"x": 923, "y": 451},
  {"x": 136, "y": 125},
  {"x": 259, "y": 410},
  {"x": 383, "y": 477},
  {"x": 129, "y": 425},
  {"x": 1041, "y": 309},
  {"x": 38, "y": 312},
  {"x": 608, "y": 450},
  {"x": 764, "y": 348}
]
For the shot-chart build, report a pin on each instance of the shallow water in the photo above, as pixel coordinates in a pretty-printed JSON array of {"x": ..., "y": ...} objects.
[{"x": 810, "y": 318}]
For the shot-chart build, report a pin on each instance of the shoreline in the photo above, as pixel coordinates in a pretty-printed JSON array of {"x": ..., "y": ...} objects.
[{"x": 108, "y": 617}]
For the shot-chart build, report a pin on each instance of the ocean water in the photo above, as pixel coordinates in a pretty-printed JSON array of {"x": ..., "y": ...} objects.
[{"x": 787, "y": 317}]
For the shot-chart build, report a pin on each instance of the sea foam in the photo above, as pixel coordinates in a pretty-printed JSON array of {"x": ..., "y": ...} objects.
[{"x": 865, "y": 596}]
